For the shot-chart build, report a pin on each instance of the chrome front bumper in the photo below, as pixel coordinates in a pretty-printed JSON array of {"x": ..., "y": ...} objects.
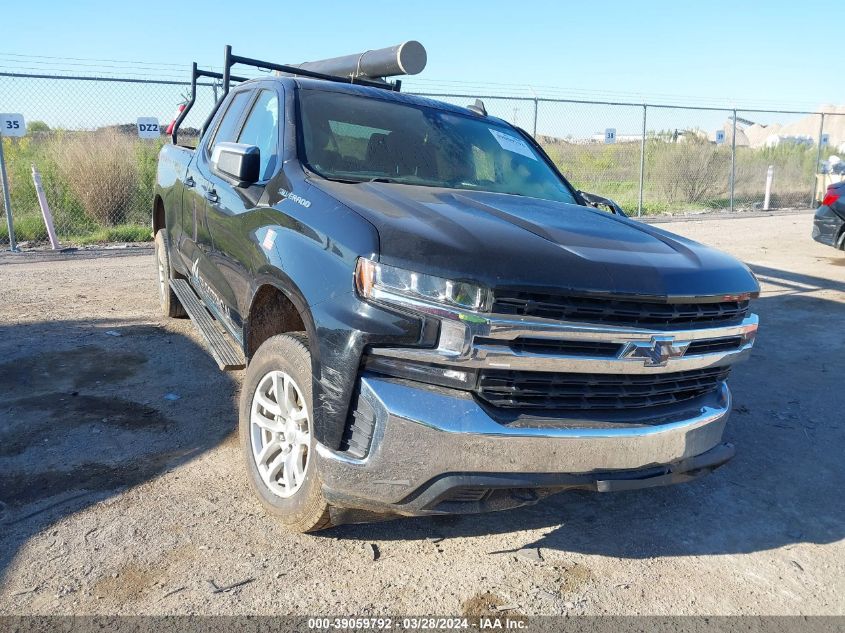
[
  {"x": 423, "y": 433},
  {"x": 426, "y": 437}
]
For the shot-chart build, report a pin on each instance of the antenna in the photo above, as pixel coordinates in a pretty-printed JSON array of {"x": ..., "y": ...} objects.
[{"x": 478, "y": 108}]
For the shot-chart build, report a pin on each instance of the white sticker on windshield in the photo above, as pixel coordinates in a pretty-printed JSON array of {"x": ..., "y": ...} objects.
[{"x": 513, "y": 144}]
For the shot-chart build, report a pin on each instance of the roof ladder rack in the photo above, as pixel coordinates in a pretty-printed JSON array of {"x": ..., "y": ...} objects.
[
  {"x": 231, "y": 59},
  {"x": 407, "y": 58},
  {"x": 196, "y": 73}
]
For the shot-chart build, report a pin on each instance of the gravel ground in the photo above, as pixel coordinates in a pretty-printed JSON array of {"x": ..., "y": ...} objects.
[{"x": 122, "y": 489}]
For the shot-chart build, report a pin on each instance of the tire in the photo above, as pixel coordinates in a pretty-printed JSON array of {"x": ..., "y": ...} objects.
[
  {"x": 268, "y": 440},
  {"x": 170, "y": 306}
]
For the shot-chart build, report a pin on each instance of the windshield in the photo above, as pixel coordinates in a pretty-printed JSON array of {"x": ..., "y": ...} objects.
[{"x": 359, "y": 139}]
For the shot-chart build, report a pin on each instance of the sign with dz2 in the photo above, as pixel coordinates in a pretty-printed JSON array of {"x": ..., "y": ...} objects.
[{"x": 148, "y": 127}]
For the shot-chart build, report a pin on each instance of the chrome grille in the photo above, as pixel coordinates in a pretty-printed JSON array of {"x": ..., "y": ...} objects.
[
  {"x": 594, "y": 392},
  {"x": 711, "y": 346},
  {"x": 553, "y": 346}
]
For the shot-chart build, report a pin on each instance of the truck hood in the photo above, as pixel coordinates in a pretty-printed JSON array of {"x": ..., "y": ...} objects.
[{"x": 505, "y": 240}]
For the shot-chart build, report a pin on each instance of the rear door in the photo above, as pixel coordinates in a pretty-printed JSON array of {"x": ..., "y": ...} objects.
[{"x": 205, "y": 194}]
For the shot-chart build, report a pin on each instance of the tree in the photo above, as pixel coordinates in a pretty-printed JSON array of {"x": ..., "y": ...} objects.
[
  {"x": 692, "y": 172},
  {"x": 37, "y": 126}
]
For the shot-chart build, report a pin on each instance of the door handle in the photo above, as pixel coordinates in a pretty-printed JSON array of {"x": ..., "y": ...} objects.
[
  {"x": 190, "y": 182},
  {"x": 211, "y": 195}
]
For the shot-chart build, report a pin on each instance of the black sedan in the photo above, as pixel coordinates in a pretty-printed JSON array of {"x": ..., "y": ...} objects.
[{"x": 829, "y": 225}]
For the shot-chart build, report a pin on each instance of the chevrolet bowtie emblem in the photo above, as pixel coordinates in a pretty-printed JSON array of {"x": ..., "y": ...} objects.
[{"x": 656, "y": 352}]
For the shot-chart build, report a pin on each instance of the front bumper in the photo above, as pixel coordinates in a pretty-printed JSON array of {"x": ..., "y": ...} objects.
[
  {"x": 827, "y": 227},
  {"x": 437, "y": 451}
]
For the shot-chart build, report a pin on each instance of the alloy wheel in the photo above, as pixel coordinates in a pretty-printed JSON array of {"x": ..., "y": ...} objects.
[{"x": 280, "y": 432}]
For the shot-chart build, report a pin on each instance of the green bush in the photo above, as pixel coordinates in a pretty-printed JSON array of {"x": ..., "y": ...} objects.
[
  {"x": 27, "y": 228},
  {"x": 125, "y": 233},
  {"x": 690, "y": 172},
  {"x": 108, "y": 155},
  {"x": 685, "y": 173},
  {"x": 92, "y": 181}
]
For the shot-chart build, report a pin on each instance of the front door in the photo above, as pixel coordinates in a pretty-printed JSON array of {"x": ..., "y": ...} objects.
[{"x": 225, "y": 213}]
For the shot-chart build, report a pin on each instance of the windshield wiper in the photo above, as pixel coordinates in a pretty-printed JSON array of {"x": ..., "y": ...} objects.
[
  {"x": 383, "y": 179},
  {"x": 358, "y": 181},
  {"x": 346, "y": 181}
]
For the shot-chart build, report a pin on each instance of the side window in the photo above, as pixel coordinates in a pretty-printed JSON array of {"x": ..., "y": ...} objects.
[
  {"x": 262, "y": 130},
  {"x": 228, "y": 127}
]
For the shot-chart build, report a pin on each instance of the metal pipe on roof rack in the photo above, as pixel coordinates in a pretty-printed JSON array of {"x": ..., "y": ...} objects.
[{"x": 408, "y": 58}]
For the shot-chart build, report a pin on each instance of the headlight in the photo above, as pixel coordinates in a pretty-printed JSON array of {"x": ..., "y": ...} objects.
[{"x": 382, "y": 282}]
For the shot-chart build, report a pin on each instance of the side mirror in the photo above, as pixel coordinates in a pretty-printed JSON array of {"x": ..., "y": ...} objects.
[
  {"x": 598, "y": 202},
  {"x": 237, "y": 161}
]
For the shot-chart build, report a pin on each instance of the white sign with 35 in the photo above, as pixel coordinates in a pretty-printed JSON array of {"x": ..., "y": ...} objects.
[{"x": 12, "y": 125}]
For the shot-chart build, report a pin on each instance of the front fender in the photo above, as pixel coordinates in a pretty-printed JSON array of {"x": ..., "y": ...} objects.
[
  {"x": 309, "y": 254},
  {"x": 339, "y": 330}
]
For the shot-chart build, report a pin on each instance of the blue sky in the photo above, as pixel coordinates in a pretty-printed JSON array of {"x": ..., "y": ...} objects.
[{"x": 721, "y": 53}]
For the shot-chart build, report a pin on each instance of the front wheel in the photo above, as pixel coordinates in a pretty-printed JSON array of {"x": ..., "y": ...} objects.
[{"x": 277, "y": 433}]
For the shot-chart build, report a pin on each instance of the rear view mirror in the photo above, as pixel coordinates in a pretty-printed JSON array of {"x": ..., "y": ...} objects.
[{"x": 238, "y": 162}]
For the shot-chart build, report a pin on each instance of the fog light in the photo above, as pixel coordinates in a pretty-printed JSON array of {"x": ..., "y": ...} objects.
[{"x": 422, "y": 372}]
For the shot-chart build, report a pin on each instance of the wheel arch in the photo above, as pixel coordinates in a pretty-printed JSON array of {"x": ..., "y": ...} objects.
[
  {"x": 159, "y": 221},
  {"x": 276, "y": 307}
]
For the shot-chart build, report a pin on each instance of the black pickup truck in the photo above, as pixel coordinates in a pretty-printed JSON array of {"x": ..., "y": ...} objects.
[{"x": 432, "y": 319}]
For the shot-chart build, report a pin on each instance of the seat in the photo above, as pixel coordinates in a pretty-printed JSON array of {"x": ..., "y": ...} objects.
[
  {"x": 414, "y": 157},
  {"x": 378, "y": 155},
  {"x": 401, "y": 154},
  {"x": 321, "y": 155}
]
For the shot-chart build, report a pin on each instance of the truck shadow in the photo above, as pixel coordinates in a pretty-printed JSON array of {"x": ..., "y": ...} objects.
[
  {"x": 796, "y": 282},
  {"x": 91, "y": 408},
  {"x": 783, "y": 487}
]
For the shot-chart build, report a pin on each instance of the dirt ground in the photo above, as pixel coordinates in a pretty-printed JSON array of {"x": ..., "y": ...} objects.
[{"x": 122, "y": 489}]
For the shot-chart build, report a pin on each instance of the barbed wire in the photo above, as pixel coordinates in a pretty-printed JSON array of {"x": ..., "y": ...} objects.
[{"x": 12, "y": 62}]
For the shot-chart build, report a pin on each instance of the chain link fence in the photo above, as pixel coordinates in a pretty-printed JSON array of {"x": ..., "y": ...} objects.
[{"x": 98, "y": 174}]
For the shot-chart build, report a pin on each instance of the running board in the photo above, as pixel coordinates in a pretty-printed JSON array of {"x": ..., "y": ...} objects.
[{"x": 227, "y": 356}]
